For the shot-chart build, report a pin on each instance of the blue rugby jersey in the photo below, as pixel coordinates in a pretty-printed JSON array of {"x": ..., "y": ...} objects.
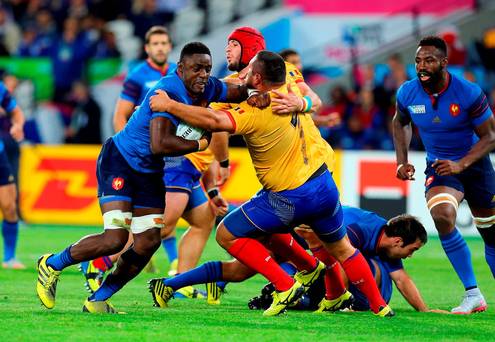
[
  {"x": 133, "y": 141},
  {"x": 446, "y": 120},
  {"x": 364, "y": 230},
  {"x": 7, "y": 102},
  {"x": 141, "y": 79}
]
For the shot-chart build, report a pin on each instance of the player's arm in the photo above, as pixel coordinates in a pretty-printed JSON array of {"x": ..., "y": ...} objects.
[
  {"x": 206, "y": 118},
  {"x": 310, "y": 102},
  {"x": 123, "y": 111},
  {"x": 408, "y": 289},
  {"x": 219, "y": 145},
  {"x": 209, "y": 179},
  {"x": 17, "y": 119},
  {"x": 164, "y": 141},
  {"x": 402, "y": 134}
]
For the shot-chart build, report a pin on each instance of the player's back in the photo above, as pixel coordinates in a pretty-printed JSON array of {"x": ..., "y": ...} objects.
[
  {"x": 363, "y": 228},
  {"x": 285, "y": 149}
]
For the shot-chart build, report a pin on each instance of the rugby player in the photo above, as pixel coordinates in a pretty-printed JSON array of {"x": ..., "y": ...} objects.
[
  {"x": 290, "y": 158},
  {"x": 8, "y": 191},
  {"x": 130, "y": 186},
  {"x": 457, "y": 128}
]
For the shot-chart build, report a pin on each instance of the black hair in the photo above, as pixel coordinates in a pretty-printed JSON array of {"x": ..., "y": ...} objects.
[
  {"x": 406, "y": 227},
  {"x": 194, "y": 48},
  {"x": 287, "y": 52},
  {"x": 272, "y": 66},
  {"x": 435, "y": 41}
]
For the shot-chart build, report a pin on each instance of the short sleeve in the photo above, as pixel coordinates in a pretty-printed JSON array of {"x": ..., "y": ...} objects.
[
  {"x": 479, "y": 110},
  {"x": 131, "y": 90},
  {"x": 293, "y": 74},
  {"x": 393, "y": 265},
  {"x": 8, "y": 102},
  {"x": 243, "y": 118},
  {"x": 217, "y": 90}
]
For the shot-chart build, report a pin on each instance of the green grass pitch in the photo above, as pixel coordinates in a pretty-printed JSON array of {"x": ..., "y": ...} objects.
[{"x": 23, "y": 319}]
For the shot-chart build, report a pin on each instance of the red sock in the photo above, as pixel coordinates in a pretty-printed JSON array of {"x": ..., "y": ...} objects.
[
  {"x": 334, "y": 284},
  {"x": 103, "y": 263},
  {"x": 359, "y": 274},
  {"x": 254, "y": 255},
  {"x": 285, "y": 245}
]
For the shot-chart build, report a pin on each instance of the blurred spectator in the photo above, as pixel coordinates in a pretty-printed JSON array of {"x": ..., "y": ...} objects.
[
  {"x": 485, "y": 54},
  {"x": 69, "y": 56},
  {"x": 469, "y": 75},
  {"x": 84, "y": 127},
  {"x": 397, "y": 75},
  {"x": 46, "y": 31},
  {"x": 77, "y": 9},
  {"x": 456, "y": 53},
  {"x": 329, "y": 119},
  {"x": 106, "y": 47},
  {"x": 492, "y": 99},
  {"x": 293, "y": 57},
  {"x": 146, "y": 16},
  {"x": 10, "y": 34}
]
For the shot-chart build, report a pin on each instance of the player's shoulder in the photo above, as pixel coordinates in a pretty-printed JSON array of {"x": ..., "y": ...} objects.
[
  {"x": 408, "y": 90},
  {"x": 138, "y": 69},
  {"x": 460, "y": 84}
]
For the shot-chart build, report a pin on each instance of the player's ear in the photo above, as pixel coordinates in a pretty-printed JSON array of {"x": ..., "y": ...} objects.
[
  {"x": 397, "y": 241},
  {"x": 180, "y": 68}
]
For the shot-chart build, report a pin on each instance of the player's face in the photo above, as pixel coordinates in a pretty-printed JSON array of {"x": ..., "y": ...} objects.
[
  {"x": 233, "y": 52},
  {"x": 429, "y": 64},
  {"x": 295, "y": 60},
  {"x": 252, "y": 78},
  {"x": 195, "y": 71},
  {"x": 158, "y": 48},
  {"x": 398, "y": 251}
]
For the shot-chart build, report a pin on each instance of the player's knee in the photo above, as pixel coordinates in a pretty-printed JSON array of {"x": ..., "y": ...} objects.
[
  {"x": 486, "y": 227},
  {"x": 444, "y": 218},
  {"x": 9, "y": 211},
  {"x": 223, "y": 236}
]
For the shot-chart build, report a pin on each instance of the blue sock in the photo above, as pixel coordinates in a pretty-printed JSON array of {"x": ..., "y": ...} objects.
[
  {"x": 170, "y": 247},
  {"x": 206, "y": 273},
  {"x": 490, "y": 258},
  {"x": 109, "y": 286},
  {"x": 460, "y": 257},
  {"x": 10, "y": 231},
  {"x": 288, "y": 268},
  {"x": 61, "y": 260}
]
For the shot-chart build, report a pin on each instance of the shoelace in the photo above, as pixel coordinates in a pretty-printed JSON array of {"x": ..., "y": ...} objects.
[{"x": 52, "y": 279}]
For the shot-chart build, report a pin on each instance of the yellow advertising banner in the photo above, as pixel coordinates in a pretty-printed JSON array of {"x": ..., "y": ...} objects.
[{"x": 58, "y": 183}]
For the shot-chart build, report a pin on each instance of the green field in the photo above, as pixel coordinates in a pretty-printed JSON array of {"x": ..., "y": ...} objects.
[{"x": 23, "y": 318}]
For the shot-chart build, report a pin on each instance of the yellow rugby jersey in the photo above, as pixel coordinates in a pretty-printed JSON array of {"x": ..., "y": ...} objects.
[
  {"x": 285, "y": 149},
  {"x": 201, "y": 160}
]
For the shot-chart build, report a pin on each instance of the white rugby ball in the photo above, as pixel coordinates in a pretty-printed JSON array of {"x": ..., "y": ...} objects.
[{"x": 189, "y": 132}]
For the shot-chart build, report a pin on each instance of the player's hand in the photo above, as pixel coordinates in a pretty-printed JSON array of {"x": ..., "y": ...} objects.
[
  {"x": 286, "y": 103},
  {"x": 223, "y": 175},
  {"x": 17, "y": 132},
  {"x": 445, "y": 312},
  {"x": 259, "y": 100},
  {"x": 219, "y": 205},
  {"x": 447, "y": 167},
  {"x": 160, "y": 102},
  {"x": 405, "y": 171}
]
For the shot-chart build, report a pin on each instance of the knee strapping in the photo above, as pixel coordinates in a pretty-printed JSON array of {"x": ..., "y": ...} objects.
[
  {"x": 484, "y": 222},
  {"x": 441, "y": 199},
  {"x": 117, "y": 219},
  {"x": 143, "y": 223}
]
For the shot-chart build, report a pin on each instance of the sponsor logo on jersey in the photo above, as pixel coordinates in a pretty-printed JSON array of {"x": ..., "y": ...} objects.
[
  {"x": 436, "y": 119},
  {"x": 118, "y": 183},
  {"x": 417, "y": 109},
  {"x": 454, "y": 109}
]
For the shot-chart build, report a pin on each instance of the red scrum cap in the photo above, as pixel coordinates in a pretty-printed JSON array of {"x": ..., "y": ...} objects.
[{"x": 251, "y": 41}]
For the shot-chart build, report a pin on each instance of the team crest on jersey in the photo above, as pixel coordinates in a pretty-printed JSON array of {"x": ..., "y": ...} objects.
[
  {"x": 454, "y": 109},
  {"x": 429, "y": 180},
  {"x": 118, "y": 183},
  {"x": 417, "y": 109}
]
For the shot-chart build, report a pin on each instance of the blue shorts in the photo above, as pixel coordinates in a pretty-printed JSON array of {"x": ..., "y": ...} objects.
[
  {"x": 117, "y": 181},
  {"x": 6, "y": 174},
  {"x": 180, "y": 175},
  {"x": 476, "y": 182},
  {"x": 360, "y": 301},
  {"x": 315, "y": 203}
]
